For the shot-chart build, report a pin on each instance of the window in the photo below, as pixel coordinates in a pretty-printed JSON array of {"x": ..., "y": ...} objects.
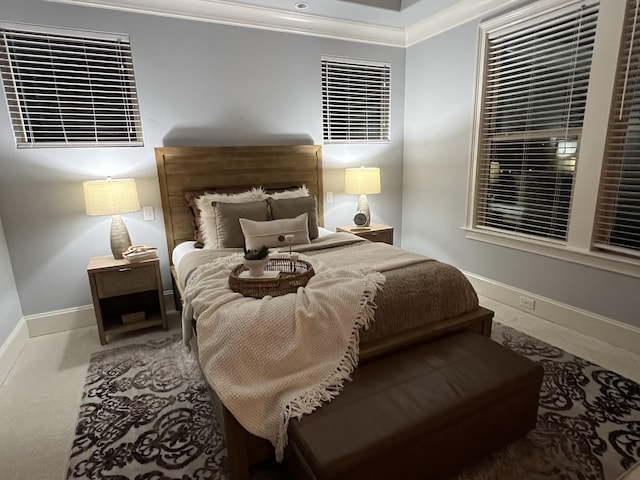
[
  {"x": 532, "y": 105},
  {"x": 355, "y": 100},
  {"x": 571, "y": 155},
  {"x": 618, "y": 218},
  {"x": 66, "y": 88}
]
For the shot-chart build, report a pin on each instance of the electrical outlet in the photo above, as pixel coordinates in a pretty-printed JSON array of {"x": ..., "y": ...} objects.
[
  {"x": 527, "y": 302},
  {"x": 329, "y": 197},
  {"x": 147, "y": 212}
]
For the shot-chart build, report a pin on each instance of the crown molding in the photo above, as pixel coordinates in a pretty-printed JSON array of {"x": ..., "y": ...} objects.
[
  {"x": 227, "y": 13},
  {"x": 451, "y": 17},
  {"x": 219, "y": 11}
]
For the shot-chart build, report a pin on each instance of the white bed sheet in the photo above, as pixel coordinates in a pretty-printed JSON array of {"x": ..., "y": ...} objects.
[{"x": 181, "y": 250}]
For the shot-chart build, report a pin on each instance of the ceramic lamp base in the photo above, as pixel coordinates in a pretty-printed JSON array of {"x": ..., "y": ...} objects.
[
  {"x": 362, "y": 218},
  {"x": 120, "y": 240}
]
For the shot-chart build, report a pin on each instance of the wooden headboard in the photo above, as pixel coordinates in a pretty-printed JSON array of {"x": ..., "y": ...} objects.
[{"x": 231, "y": 169}]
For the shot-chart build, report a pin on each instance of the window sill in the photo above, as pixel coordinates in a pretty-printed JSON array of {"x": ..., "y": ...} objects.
[{"x": 604, "y": 261}]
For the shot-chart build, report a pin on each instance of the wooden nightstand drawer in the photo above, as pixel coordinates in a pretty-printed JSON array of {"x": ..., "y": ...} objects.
[
  {"x": 375, "y": 233},
  {"x": 385, "y": 236},
  {"x": 125, "y": 280}
]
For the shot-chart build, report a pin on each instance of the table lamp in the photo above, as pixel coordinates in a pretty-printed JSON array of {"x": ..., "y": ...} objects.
[
  {"x": 113, "y": 197},
  {"x": 362, "y": 181}
]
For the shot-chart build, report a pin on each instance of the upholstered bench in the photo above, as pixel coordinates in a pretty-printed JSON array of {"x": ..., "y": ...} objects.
[{"x": 423, "y": 413}]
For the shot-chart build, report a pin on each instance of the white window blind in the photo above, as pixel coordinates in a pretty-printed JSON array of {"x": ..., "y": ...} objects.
[
  {"x": 355, "y": 100},
  {"x": 65, "y": 88},
  {"x": 618, "y": 216},
  {"x": 532, "y": 107}
]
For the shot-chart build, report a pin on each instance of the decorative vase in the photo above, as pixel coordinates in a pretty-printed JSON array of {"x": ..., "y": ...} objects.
[{"x": 256, "y": 267}]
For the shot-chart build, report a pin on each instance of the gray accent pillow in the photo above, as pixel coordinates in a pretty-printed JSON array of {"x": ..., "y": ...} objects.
[
  {"x": 292, "y": 207},
  {"x": 228, "y": 230},
  {"x": 201, "y": 205}
]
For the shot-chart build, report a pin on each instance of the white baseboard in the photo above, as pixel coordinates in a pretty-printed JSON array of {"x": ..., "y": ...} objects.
[
  {"x": 44, "y": 324},
  {"x": 606, "y": 329},
  {"x": 68, "y": 319},
  {"x": 11, "y": 348},
  {"x": 60, "y": 320}
]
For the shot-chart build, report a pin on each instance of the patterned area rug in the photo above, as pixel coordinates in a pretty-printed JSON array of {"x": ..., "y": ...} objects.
[
  {"x": 588, "y": 420},
  {"x": 145, "y": 415}
]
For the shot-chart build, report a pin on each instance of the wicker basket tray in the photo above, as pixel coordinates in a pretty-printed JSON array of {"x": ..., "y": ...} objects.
[{"x": 292, "y": 275}]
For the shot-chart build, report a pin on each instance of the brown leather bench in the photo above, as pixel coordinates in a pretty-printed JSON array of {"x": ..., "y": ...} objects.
[{"x": 424, "y": 413}]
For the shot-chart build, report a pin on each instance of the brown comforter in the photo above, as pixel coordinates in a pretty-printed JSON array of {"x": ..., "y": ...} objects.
[{"x": 414, "y": 294}]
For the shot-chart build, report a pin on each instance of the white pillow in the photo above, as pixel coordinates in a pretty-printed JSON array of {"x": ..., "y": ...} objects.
[
  {"x": 273, "y": 232},
  {"x": 303, "y": 191},
  {"x": 208, "y": 226}
]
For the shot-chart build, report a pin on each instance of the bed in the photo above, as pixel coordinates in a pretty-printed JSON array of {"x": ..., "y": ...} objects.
[{"x": 184, "y": 172}]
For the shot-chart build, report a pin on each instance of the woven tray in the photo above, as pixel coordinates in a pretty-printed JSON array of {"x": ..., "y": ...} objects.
[{"x": 288, "y": 281}]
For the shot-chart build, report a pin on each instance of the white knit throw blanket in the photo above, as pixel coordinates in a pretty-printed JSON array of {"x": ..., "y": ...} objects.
[{"x": 278, "y": 358}]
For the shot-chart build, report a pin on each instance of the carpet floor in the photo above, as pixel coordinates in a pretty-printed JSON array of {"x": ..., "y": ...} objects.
[{"x": 145, "y": 415}]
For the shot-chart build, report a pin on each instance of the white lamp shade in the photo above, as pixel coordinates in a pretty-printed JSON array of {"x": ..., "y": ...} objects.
[
  {"x": 111, "y": 197},
  {"x": 363, "y": 180}
]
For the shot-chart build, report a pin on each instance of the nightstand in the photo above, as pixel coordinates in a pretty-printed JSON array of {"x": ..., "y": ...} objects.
[
  {"x": 376, "y": 232},
  {"x": 126, "y": 295}
]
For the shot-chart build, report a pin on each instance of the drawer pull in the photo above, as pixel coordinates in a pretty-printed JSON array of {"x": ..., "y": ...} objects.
[{"x": 124, "y": 269}]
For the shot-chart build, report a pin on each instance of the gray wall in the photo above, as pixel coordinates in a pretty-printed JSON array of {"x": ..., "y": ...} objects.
[
  {"x": 438, "y": 128},
  {"x": 10, "y": 310},
  {"x": 199, "y": 84}
]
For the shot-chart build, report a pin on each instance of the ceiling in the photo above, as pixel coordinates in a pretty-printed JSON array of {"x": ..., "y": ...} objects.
[
  {"x": 390, "y": 13},
  {"x": 398, "y": 23}
]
